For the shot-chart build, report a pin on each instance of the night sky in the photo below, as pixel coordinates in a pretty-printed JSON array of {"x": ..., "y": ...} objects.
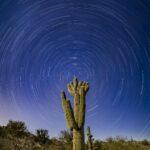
[{"x": 44, "y": 43}]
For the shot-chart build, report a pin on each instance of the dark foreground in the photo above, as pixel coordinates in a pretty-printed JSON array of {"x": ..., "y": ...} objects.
[{"x": 15, "y": 136}]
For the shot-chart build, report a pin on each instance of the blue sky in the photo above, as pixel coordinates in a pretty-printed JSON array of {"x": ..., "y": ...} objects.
[{"x": 43, "y": 44}]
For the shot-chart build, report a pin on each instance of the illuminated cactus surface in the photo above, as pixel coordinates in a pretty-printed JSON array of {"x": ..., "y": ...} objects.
[
  {"x": 75, "y": 118},
  {"x": 89, "y": 139}
]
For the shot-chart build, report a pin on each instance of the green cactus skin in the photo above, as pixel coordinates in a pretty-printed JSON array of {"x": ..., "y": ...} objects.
[
  {"x": 89, "y": 139},
  {"x": 75, "y": 117}
]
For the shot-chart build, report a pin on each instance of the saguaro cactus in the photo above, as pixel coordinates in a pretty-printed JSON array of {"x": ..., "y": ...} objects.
[
  {"x": 75, "y": 118},
  {"x": 89, "y": 139}
]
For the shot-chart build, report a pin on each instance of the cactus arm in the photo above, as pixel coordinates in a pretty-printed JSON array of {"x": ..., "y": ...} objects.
[
  {"x": 74, "y": 91},
  {"x": 68, "y": 112},
  {"x": 75, "y": 83},
  {"x": 70, "y": 88},
  {"x": 76, "y": 106},
  {"x": 90, "y": 139},
  {"x": 82, "y": 108}
]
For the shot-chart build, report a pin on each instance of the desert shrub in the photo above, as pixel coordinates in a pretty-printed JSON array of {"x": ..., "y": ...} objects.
[
  {"x": 16, "y": 128},
  {"x": 4, "y": 144},
  {"x": 110, "y": 140},
  {"x": 97, "y": 145},
  {"x": 145, "y": 142},
  {"x": 3, "y": 132},
  {"x": 42, "y": 136},
  {"x": 120, "y": 139}
]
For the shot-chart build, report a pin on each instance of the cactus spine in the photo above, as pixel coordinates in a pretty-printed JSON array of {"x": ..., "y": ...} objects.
[
  {"x": 75, "y": 118},
  {"x": 89, "y": 139}
]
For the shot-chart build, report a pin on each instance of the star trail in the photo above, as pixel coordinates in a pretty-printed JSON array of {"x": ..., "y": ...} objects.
[{"x": 45, "y": 43}]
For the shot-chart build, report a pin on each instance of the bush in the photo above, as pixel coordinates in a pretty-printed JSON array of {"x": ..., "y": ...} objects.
[
  {"x": 97, "y": 145},
  {"x": 16, "y": 128},
  {"x": 145, "y": 142},
  {"x": 42, "y": 136}
]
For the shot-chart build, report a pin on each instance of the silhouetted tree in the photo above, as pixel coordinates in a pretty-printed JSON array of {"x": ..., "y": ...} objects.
[
  {"x": 42, "y": 136},
  {"x": 16, "y": 128}
]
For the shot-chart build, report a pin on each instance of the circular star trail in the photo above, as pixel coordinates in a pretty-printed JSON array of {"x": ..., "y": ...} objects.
[{"x": 44, "y": 44}]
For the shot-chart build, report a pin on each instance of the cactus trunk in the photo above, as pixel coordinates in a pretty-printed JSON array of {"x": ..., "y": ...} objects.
[
  {"x": 75, "y": 118},
  {"x": 78, "y": 139}
]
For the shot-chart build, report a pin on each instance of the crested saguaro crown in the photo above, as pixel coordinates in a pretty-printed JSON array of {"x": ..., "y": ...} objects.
[{"x": 75, "y": 118}]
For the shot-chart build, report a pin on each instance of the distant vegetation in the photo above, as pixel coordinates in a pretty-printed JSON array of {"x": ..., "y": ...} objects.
[{"x": 15, "y": 136}]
